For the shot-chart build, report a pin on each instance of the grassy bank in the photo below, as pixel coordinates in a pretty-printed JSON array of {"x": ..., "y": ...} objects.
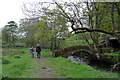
[
  {"x": 27, "y": 67},
  {"x": 16, "y": 64},
  {"x": 68, "y": 69}
]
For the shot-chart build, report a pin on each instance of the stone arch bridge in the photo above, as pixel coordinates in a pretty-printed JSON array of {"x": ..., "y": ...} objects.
[{"x": 73, "y": 50}]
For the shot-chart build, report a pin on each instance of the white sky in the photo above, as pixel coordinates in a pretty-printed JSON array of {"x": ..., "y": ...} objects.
[{"x": 10, "y": 10}]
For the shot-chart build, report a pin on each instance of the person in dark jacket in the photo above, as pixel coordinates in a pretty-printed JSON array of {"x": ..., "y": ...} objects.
[{"x": 38, "y": 50}]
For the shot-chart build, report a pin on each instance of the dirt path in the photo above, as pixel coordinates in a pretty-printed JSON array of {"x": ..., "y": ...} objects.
[{"x": 41, "y": 70}]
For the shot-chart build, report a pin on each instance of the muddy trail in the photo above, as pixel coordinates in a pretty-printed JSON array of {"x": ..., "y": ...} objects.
[{"x": 41, "y": 69}]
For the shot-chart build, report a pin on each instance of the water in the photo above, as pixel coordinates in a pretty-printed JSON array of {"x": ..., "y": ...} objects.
[
  {"x": 94, "y": 64},
  {"x": 77, "y": 59}
]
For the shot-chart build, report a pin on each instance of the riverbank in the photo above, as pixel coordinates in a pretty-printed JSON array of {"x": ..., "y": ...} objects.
[{"x": 50, "y": 67}]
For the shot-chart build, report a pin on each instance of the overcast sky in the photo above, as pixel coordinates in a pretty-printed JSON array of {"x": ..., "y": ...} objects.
[{"x": 10, "y": 10}]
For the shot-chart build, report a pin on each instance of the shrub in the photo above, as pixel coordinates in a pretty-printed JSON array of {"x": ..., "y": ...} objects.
[
  {"x": 4, "y": 76},
  {"x": 5, "y": 61},
  {"x": 17, "y": 56}
]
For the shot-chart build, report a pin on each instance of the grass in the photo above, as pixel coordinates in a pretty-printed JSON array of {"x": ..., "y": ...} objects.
[
  {"x": 68, "y": 69},
  {"x": 68, "y": 43},
  {"x": 116, "y": 56},
  {"x": 111, "y": 54},
  {"x": 17, "y": 66},
  {"x": 20, "y": 44},
  {"x": 60, "y": 67},
  {"x": 63, "y": 67}
]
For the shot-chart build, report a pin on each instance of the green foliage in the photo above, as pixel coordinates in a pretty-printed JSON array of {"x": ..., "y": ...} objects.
[
  {"x": 5, "y": 61},
  {"x": 50, "y": 32},
  {"x": 105, "y": 15},
  {"x": 111, "y": 54},
  {"x": 4, "y": 76},
  {"x": 115, "y": 56},
  {"x": 5, "y": 36},
  {"x": 27, "y": 31},
  {"x": 42, "y": 35},
  {"x": 10, "y": 32},
  {"x": 17, "y": 56}
]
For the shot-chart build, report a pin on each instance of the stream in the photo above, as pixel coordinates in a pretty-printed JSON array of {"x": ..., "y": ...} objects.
[{"x": 94, "y": 64}]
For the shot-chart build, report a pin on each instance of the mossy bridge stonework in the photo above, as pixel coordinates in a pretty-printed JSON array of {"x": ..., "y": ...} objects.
[
  {"x": 81, "y": 50},
  {"x": 65, "y": 52}
]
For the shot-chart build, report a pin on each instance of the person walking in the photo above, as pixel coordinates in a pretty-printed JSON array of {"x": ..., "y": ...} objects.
[
  {"x": 32, "y": 51},
  {"x": 38, "y": 50}
]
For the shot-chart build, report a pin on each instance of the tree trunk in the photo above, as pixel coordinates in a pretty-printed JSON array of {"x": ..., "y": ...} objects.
[
  {"x": 89, "y": 45},
  {"x": 112, "y": 18}
]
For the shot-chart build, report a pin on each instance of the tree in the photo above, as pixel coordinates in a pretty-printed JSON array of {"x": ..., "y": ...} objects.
[
  {"x": 27, "y": 31},
  {"x": 10, "y": 32},
  {"x": 51, "y": 26},
  {"x": 92, "y": 17},
  {"x": 42, "y": 33},
  {"x": 5, "y": 36},
  {"x": 50, "y": 32}
]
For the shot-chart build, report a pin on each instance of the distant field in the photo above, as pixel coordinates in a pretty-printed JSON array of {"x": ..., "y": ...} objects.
[
  {"x": 4, "y": 44},
  {"x": 68, "y": 43}
]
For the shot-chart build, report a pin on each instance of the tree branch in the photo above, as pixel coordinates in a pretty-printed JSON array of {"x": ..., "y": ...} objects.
[
  {"x": 66, "y": 15},
  {"x": 83, "y": 30}
]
